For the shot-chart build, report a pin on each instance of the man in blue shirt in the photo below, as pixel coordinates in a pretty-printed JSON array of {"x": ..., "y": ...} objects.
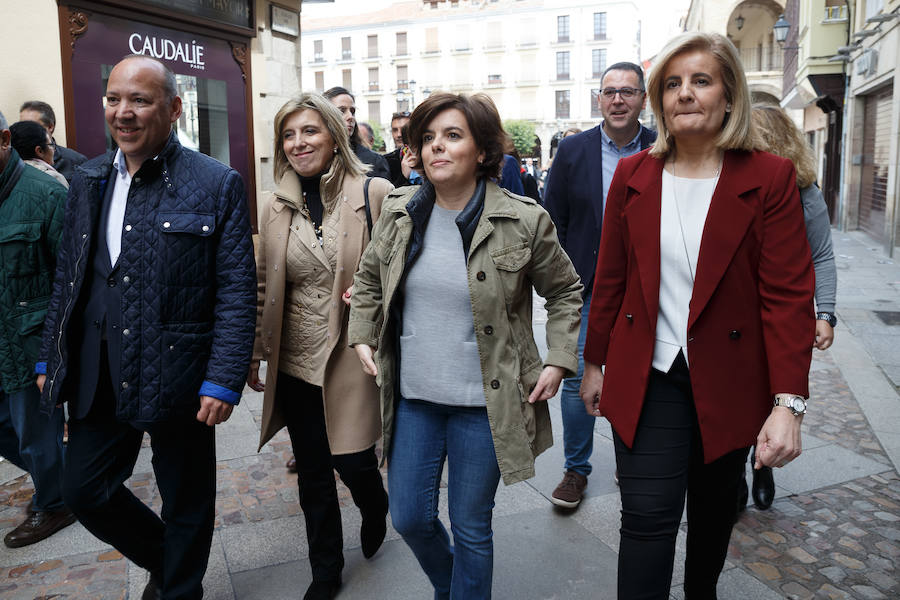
[{"x": 575, "y": 197}]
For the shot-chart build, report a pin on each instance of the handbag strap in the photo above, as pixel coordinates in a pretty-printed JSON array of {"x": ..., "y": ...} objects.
[{"x": 368, "y": 208}]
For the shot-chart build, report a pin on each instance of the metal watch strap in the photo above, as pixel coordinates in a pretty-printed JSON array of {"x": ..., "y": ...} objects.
[
  {"x": 787, "y": 401},
  {"x": 827, "y": 317}
]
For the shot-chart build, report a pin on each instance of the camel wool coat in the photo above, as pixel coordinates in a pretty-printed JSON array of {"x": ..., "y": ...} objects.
[{"x": 352, "y": 410}]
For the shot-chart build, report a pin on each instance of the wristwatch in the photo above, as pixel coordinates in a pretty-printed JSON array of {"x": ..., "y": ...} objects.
[
  {"x": 827, "y": 317},
  {"x": 796, "y": 404}
]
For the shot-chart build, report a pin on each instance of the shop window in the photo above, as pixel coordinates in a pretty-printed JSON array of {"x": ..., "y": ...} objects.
[{"x": 203, "y": 125}]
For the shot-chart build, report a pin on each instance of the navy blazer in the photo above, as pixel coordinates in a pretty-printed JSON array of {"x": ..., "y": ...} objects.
[{"x": 574, "y": 197}]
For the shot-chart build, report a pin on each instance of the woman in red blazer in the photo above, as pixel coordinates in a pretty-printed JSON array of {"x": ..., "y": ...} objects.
[{"x": 702, "y": 315}]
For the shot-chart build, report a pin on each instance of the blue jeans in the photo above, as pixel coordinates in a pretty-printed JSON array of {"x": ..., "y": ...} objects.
[
  {"x": 425, "y": 434},
  {"x": 578, "y": 426},
  {"x": 33, "y": 442}
]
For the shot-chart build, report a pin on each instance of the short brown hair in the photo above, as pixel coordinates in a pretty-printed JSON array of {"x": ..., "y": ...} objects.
[
  {"x": 481, "y": 117},
  {"x": 736, "y": 133}
]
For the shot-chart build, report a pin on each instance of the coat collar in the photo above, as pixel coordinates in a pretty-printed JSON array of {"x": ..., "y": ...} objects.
[{"x": 729, "y": 216}]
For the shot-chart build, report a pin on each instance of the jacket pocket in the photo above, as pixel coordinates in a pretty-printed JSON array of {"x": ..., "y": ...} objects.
[
  {"x": 19, "y": 248},
  {"x": 187, "y": 265},
  {"x": 30, "y": 325},
  {"x": 185, "y": 350},
  {"x": 510, "y": 263}
]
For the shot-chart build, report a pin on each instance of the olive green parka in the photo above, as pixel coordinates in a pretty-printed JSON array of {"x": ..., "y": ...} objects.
[{"x": 514, "y": 248}]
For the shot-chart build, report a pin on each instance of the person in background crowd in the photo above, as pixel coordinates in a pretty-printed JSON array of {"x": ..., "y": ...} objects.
[
  {"x": 150, "y": 329},
  {"x": 35, "y": 147},
  {"x": 64, "y": 159},
  {"x": 702, "y": 314},
  {"x": 572, "y": 130},
  {"x": 395, "y": 157},
  {"x": 444, "y": 292},
  {"x": 575, "y": 196},
  {"x": 310, "y": 242},
  {"x": 511, "y": 173},
  {"x": 367, "y": 135},
  {"x": 776, "y": 133},
  {"x": 32, "y": 205},
  {"x": 346, "y": 103}
]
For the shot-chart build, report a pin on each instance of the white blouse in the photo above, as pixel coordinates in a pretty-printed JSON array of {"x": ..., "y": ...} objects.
[{"x": 679, "y": 246}]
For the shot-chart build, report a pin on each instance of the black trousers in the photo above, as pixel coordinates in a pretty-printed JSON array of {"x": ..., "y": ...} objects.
[
  {"x": 304, "y": 410},
  {"x": 100, "y": 457},
  {"x": 666, "y": 461}
]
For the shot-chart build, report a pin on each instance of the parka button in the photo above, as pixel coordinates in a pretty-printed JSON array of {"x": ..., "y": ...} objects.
[
  {"x": 126, "y": 331},
  {"x": 480, "y": 276},
  {"x": 495, "y": 384},
  {"x": 128, "y": 228},
  {"x": 734, "y": 334},
  {"x": 488, "y": 330},
  {"x": 124, "y": 385},
  {"x": 166, "y": 225},
  {"x": 629, "y": 316}
]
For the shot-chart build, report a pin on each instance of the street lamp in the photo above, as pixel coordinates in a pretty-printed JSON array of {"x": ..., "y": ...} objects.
[{"x": 781, "y": 28}]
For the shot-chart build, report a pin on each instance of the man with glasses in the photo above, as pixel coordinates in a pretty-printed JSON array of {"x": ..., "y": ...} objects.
[
  {"x": 395, "y": 158},
  {"x": 575, "y": 196}
]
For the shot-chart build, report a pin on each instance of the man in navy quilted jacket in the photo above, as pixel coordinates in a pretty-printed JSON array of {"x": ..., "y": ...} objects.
[{"x": 150, "y": 329}]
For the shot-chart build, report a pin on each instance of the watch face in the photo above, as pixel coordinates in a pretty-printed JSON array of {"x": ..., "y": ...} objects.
[{"x": 798, "y": 405}]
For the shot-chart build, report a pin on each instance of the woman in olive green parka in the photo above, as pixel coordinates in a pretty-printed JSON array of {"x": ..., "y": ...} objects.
[{"x": 444, "y": 293}]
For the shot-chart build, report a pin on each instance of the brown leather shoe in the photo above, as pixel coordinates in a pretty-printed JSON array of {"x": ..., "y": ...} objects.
[
  {"x": 38, "y": 526},
  {"x": 570, "y": 490},
  {"x": 291, "y": 465}
]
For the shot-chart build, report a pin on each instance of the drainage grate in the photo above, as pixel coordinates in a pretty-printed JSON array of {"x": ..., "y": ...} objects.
[{"x": 888, "y": 317}]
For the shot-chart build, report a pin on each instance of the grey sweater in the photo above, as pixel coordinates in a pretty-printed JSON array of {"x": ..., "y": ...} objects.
[
  {"x": 439, "y": 359},
  {"x": 818, "y": 232}
]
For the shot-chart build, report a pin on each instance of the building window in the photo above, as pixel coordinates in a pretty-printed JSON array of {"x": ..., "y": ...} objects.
[
  {"x": 873, "y": 7},
  {"x": 562, "y": 104},
  {"x": 403, "y": 105},
  {"x": 347, "y": 79},
  {"x": 835, "y": 10},
  {"x": 595, "y": 103},
  {"x": 598, "y": 62},
  {"x": 373, "y": 79},
  {"x": 345, "y": 49},
  {"x": 495, "y": 79},
  {"x": 431, "y": 40},
  {"x": 402, "y": 77},
  {"x": 461, "y": 41},
  {"x": 600, "y": 26},
  {"x": 562, "y": 65},
  {"x": 562, "y": 28},
  {"x": 401, "y": 44},
  {"x": 375, "y": 112},
  {"x": 320, "y": 81},
  {"x": 318, "y": 53},
  {"x": 373, "y": 46}
]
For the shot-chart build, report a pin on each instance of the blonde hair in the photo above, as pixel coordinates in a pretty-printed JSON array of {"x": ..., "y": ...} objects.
[
  {"x": 776, "y": 133},
  {"x": 345, "y": 161},
  {"x": 736, "y": 133}
]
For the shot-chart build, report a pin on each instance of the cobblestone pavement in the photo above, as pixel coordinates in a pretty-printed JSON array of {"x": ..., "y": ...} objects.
[{"x": 841, "y": 541}]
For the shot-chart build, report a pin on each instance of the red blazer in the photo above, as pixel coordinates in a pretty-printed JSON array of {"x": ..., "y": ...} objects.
[{"x": 751, "y": 326}]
